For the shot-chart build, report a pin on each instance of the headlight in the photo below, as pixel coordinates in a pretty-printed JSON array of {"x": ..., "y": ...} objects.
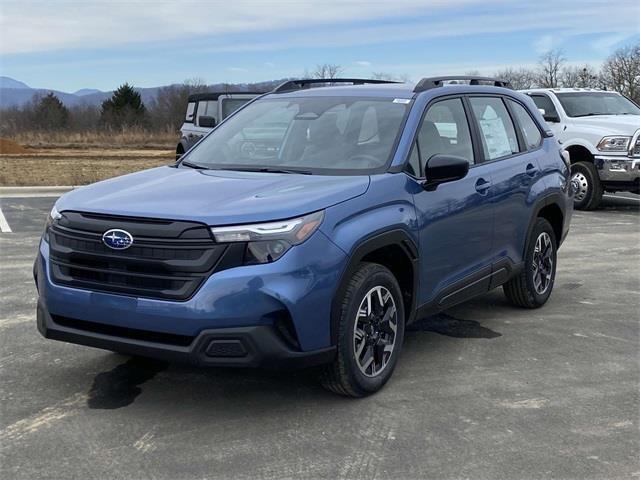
[
  {"x": 53, "y": 216},
  {"x": 267, "y": 242},
  {"x": 614, "y": 144}
]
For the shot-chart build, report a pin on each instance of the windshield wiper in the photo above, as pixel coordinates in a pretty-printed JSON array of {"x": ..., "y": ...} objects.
[
  {"x": 193, "y": 165},
  {"x": 590, "y": 114},
  {"x": 269, "y": 170}
]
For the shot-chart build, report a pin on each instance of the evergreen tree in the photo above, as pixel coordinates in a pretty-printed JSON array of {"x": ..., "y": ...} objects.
[
  {"x": 124, "y": 108},
  {"x": 49, "y": 113}
]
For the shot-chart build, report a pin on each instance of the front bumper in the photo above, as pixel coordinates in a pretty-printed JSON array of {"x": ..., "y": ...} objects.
[
  {"x": 258, "y": 315},
  {"x": 619, "y": 168},
  {"x": 258, "y": 346}
]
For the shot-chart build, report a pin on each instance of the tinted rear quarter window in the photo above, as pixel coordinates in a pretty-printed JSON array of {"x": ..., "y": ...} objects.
[{"x": 530, "y": 131}]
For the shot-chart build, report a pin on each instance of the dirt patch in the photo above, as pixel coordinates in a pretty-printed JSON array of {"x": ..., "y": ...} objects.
[{"x": 11, "y": 147}]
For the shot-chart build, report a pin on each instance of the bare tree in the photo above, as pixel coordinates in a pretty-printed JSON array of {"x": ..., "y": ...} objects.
[
  {"x": 621, "y": 71},
  {"x": 403, "y": 77},
  {"x": 519, "y": 78},
  {"x": 327, "y": 70},
  {"x": 580, "y": 77},
  {"x": 551, "y": 64},
  {"x": 168, "y": 109}
]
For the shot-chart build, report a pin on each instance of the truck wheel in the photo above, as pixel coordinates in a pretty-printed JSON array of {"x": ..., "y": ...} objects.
[
  {"x": 370, "y": 333},
  {"x": 532, "y": 287},
  {"x": 588, "y": 188}
]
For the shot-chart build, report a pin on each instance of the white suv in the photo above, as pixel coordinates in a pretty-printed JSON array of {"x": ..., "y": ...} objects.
[
  {"x": 205, "y": 111},
  {"x": 601, "y": 132}
]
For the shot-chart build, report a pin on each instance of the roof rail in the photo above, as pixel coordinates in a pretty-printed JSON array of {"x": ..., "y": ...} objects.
[
  {"x": 293, "y": 85},
  {"x": 428, "y": 83}
]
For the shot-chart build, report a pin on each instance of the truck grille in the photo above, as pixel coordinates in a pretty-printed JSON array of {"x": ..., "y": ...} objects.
[{"x": 168, "y": 259}]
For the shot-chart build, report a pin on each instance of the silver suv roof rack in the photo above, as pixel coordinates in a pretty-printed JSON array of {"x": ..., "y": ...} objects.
[
  {"x": 293, "y": 85},
  {"x": 428, "y": 83}
]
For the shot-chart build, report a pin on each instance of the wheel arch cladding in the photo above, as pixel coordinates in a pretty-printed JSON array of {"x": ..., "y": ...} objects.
[
  {"x": 394, "y": 250},
  {"x": 553, "y": 214}
]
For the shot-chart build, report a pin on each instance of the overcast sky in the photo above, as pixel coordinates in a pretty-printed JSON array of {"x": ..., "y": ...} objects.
[{"x": 68, "y": 45}]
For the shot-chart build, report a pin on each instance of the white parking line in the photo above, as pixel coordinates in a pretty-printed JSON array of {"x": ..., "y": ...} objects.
[{"x": 4, "y": 226}]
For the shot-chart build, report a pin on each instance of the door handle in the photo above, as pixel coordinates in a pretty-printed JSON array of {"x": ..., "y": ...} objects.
[
  {"x": 482, "y": 186},
  {"x": 531, "y": 170}
]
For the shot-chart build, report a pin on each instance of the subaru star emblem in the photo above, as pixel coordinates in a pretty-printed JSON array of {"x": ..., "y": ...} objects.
[{"x": 117, "y": 239}]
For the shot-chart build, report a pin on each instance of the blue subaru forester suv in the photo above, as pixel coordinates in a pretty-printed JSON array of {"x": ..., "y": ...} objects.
[{"x": 311, "y": 226}]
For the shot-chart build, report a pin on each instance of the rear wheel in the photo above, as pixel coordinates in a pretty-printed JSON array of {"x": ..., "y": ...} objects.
[
  {"x": 588, "y": 193},
  {"x": 370, "y": 333},
  {"x": 532, "y": 287}
]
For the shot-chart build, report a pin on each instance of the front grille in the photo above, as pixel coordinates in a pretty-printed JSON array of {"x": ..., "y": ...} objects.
[{"x": 168, "y": 259}]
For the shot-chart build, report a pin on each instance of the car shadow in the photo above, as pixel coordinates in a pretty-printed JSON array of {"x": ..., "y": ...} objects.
[
  {"x": 227, "y": 388},
  {"x": 627, "y": 202}
]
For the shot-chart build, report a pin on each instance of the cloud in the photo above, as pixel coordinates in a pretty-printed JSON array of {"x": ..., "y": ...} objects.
[
  {"x": 269, "y": 64},
  {"x": 35, "y": 26},
  {"x": 547, "y": 42},
  {"x": 237, "y": 69},
  {"x": 363, "y": 63},
  {"x": 605, "y": 43}
]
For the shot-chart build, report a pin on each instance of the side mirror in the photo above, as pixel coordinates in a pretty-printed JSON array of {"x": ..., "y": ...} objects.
[
  {"x": 207, "y": 122},
  {"x": 444, "y": 168},
  {"x": 542, "y": 111},
  {"x": 551, "y": 117}
]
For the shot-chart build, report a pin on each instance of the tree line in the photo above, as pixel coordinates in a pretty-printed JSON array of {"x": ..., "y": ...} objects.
[{"x": 125, "y": 109}]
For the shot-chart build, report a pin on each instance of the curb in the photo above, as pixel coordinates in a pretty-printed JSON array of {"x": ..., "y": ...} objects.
[{"x": 44, "y": 191}]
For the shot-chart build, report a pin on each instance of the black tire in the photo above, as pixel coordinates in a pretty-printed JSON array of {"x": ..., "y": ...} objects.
[
  {"x": 344, "y": 375},
  {"x": 589, "y": 193},
  {"x": 521, "y": 290}
]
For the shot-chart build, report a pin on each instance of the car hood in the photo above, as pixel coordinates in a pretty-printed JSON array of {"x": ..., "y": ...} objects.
[
  {"x": 214, "y": 197},
  {"x": 610, "y": 124}
]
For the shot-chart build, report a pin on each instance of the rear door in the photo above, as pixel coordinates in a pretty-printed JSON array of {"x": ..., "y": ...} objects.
[
  {"x": 455, "y": 219},
  {"x": 511, "y": 143}
]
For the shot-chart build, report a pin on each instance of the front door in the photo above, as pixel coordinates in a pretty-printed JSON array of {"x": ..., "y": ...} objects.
[{"x": 455, "y": 219}]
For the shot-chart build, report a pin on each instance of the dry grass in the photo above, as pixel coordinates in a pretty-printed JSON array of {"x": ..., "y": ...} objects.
[
  {"x": 131, "y": 138},
  {"x": 76, "y": 167}
]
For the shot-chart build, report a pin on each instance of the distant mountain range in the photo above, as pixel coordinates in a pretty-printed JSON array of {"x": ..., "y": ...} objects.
[{"x": 14, "y": 93}]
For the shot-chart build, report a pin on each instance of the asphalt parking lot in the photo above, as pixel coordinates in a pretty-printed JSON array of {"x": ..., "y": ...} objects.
[{"x": 484, "y": 391}]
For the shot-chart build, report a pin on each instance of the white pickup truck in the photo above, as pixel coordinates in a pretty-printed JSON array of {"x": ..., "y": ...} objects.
[{"x": 601, "y": 132}]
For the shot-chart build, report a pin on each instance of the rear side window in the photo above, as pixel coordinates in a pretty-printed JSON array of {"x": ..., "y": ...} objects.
[
  {"x": 230, "y": 105},
  {"x": 497, "y": 132},
  {"x": 530, "y": 132},
  {"x": 544, "y": 103}
]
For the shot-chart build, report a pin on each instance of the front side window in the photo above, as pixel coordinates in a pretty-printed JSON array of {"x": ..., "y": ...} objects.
[
  {"x": 445, "y": 130},
  {"x": 310, "y": 134},
  {"x": 497, "y": 132},
  {"x": 191, "y": 108},
  {"x": 585, "y": 104},
  {"x": 530, "y": 132}
]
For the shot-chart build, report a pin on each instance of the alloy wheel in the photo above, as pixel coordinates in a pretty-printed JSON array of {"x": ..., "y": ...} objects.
[
  {"x": 374, "y": 331},
  {"x": 542, "y": 263}
]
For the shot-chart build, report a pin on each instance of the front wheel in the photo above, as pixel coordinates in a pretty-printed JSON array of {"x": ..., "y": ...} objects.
[
  {"x": 370, "y": 333},
  {"x": 587, "y": 184},
  {"x": 532, "y": 287}
]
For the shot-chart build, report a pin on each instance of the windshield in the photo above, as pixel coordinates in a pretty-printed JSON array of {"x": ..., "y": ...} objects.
[
  {"x": 583, "y": 104},
  {"x": 331, "y": 135}
]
